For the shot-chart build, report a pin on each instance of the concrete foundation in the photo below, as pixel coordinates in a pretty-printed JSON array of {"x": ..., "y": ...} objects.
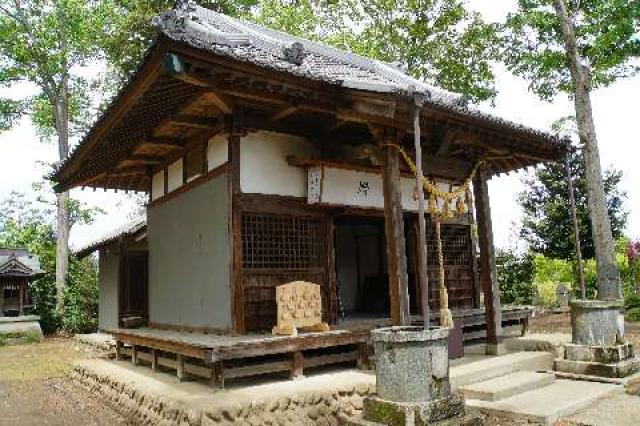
[
  {"x": 157, "y": 399},
  {"x": 598, "y": 347},
  {"x": 15, "y": 326}
]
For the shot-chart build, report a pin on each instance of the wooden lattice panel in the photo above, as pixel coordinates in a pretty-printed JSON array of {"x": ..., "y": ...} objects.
[
  {"x": 278, "y": 249},
  {"x": 458, "y": 265},
  {"x": 280, "y": 242}
]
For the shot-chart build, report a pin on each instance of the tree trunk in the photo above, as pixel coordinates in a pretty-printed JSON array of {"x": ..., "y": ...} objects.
[
  {"x": 607, "y": 270},
  {"x": 61, "y": 112}
]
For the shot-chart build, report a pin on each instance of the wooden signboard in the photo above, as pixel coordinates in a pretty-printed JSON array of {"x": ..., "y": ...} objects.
[{"x": 299, "y": 307}]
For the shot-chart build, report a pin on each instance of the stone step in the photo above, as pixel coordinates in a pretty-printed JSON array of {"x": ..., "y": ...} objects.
[
  {"x": 507, "y": 385},
  {"x": 547, "y": 404},
  {"x": 489, "y": 368}
]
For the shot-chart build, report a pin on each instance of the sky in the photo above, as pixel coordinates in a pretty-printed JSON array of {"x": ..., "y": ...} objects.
[{"x": 23, "y": 157}]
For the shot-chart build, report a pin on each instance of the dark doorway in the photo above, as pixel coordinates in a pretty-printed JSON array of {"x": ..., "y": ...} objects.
[{"x": 134, "y": 289}]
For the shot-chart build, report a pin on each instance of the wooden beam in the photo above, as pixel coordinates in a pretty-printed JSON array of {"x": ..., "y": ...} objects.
[
  {"x": 193, "y": 121},
  {"x": 145, "y": 158},
  {"x": 394, "y": 230},
  {"x": 184, "y": 72},
  {"x": 172, "y": 143},
  {"x": 488, "y": 275},
  {"x": 283, "y": 113}
]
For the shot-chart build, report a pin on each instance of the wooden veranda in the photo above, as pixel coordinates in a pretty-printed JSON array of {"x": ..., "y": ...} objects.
[{"x": 218, "y": 357}]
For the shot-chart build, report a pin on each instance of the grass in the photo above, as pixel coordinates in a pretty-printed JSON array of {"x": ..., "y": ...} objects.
[{"x": 50, "y": 359}]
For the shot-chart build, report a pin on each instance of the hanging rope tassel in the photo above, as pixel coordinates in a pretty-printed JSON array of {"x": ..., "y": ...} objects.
[{"x": 446, "y": 320}]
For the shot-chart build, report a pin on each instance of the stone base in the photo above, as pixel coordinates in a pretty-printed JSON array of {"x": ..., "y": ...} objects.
[
  {"x": 496, "y": 349},
  {"x": 392, "y": 413},
  {"x": 618, "y": 369},
  {"x": 470, "y": 419},
  {"x": 602, "y": 354}
]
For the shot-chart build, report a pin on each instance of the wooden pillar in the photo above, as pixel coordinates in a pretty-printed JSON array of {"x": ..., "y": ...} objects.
[
  {"x": 21, "y": 299},
  {"x": 134, "y": 355},
  {"x": 180, "y": 374},
  {"x": 394, "y": 230},
  {"x": 363, "y": 356},
  {"x": 154, "y": 359},
  {"x": 235, "y": 245},
  {"x": 118, "y": 350},
  {"x": 217, "y": 375},
  {"x": 488, "y": 276},
  {"x": 297, "y": 365}
]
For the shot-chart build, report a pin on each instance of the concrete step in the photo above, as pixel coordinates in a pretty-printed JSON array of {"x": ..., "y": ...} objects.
[
  {"x": 489, "y": 368},
  {"x": 507, "y": 385},
  {"x": 547, "y": 404}
]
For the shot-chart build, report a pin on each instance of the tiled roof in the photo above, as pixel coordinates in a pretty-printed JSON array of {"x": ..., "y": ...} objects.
[
  {"x": 244, "y": 41},
  {"x": 19, "y": 262},
  {"x": 129, "y": 229}
]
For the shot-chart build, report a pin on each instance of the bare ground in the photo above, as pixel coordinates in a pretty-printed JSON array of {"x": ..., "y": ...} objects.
[{"x": 35, "y": 388}]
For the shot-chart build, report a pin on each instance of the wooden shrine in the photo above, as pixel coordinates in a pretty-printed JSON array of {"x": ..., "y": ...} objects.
[{"x": 264, "y": 169}]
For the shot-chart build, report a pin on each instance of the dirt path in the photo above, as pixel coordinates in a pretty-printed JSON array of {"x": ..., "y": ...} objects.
[{"x": 35, "y": 388}]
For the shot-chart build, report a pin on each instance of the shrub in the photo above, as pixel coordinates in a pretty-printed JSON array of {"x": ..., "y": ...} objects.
[
  {"x": 81, "y": 297},
  {"x": 515, "y": 276}
]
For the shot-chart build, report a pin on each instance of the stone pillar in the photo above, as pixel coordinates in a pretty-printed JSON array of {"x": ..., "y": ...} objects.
[
  {"x": 597, "y": 347},
  {"x": 412, "y": 379}
]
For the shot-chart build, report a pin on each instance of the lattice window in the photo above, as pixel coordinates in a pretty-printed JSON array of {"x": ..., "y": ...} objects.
[
  {"x": 281, "y": 242},
  {"x": 456, "y": 244}
]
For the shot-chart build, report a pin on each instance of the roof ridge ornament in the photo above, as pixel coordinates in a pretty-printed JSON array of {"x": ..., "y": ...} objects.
[
  {"x": 295, "y": 53},
  {"x": 184, "y": 21}
]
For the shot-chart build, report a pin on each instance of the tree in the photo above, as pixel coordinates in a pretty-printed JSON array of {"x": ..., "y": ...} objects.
[
  {"x": 29, "y": 223},
  {"x": 129, "y": 32},
  {"x": 547, "y": 226},
  {"x": 515, "y": 276},
  {"x": 46, "y": 43},
  {"x": 573, "y": 48}
]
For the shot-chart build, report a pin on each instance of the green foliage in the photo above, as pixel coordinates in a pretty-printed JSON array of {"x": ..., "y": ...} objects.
[
  {"x": 128, "y": 31},
  {"x": 547, "y": 225},
  {"x": 532, "y": 44},
  {"x": 29, "y": 223},
  {"x": 81, "y": 297},
  {"x": 3, "y": 340},
  {"x": 515, "y": 277},
  {"x": 45, "y": 42}
]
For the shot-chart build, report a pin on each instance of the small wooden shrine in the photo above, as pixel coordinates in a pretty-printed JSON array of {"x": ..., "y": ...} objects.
[
  {"x": 17, "y": 268},
  {"x": 270, "y": 159}
]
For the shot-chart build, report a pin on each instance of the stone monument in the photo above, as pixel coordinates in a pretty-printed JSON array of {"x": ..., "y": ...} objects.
[
  {"x": 412, "y": 380},
  {"x": 598, "y": 347}
]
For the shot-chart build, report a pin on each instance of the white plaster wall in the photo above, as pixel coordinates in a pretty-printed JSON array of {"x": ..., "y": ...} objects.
[
  {"x": 217, "y": 151},
  {"x": 352, "y": 188},
  {"x": 157, "y": 185},
  {"x": 189, "y": 258},
  {"x": 264, "y": 168},
  {"x": 108, "y": 264},
  {"x": 175, "y": 175},
  {"x": 342, "y": 186}
]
